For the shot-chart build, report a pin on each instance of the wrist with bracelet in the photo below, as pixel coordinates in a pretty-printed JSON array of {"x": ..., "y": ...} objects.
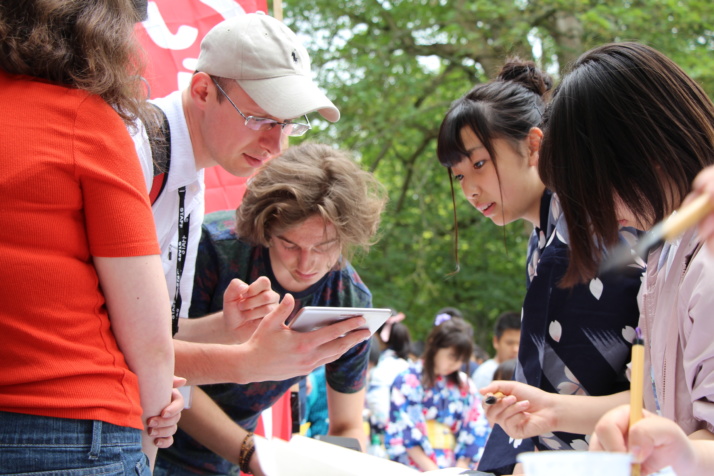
[{"x": 247, "y": 448}]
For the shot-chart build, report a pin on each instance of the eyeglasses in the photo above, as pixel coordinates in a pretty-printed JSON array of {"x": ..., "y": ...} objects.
[{"x": 264, "y": 124}]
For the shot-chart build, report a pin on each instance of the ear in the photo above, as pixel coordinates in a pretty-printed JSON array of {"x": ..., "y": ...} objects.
[
  {"x": 534, "y": 138},
  {"x": 201, "y": 89}
]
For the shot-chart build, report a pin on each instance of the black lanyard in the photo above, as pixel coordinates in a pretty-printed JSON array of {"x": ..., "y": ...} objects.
[{"x": 181, "y": 249}]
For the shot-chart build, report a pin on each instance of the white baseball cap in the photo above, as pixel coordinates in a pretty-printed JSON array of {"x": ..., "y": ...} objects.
[{"x": 267, "y": 60}]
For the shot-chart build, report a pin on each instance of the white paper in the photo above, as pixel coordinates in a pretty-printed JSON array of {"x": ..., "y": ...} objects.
[
  {"x": 569, "y": 463},
  {"x": 304, "y": 456}
]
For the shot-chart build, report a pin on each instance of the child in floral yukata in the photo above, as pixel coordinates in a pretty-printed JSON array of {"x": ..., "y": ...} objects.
[{"x": 435, "y": 417}]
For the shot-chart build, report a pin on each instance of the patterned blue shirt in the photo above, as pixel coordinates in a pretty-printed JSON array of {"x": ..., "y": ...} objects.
[{"x": 222, "y": 256}]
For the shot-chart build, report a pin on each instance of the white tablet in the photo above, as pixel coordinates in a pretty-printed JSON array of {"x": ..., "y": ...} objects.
[{"x": 314, "y": 317}]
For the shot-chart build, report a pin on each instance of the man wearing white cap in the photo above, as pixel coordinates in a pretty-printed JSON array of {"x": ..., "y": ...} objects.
[{"x": 252, "y": 87}]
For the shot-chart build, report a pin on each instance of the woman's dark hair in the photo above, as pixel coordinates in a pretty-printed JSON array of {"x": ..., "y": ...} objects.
[
  {"x": 626, "y": 124},
  {"x": 416, "y": 349},
  {"x": 506, "y": 108},
  {"x": 374, "y": 350},
  {"x": 480, "y": 355},
  {"x": 509, "y": 320},
  {"x": 400, "y": 340},
  {"x": 505, "y": 370},
  {"x": 84, "y": 44},
  {"x": 454, "y": 334},
  {"x": 450, "y": 310}
]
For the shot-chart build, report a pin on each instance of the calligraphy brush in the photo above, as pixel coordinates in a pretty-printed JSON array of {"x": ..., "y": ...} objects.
[
  {"x": 666, "y": 230},
  {"x": 637, "y": 378}
]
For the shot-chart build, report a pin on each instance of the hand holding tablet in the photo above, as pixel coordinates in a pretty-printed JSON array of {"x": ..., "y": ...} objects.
[{"x": 310, "y": 318}]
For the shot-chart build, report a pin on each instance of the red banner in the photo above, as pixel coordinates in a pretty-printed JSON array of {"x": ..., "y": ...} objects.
[{"x": 172, "y": 36}]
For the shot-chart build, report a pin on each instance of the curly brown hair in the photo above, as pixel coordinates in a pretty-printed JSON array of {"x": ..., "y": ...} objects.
[
  {"x": 83, "y": 44},
  {"x": 312, "y": 179}
]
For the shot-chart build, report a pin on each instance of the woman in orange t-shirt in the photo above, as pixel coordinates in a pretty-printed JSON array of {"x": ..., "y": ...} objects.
[{"x": 85, "y": 338}]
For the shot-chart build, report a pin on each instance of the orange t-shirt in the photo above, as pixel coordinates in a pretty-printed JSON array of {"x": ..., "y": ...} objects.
[{"x": 71, "y": 189}]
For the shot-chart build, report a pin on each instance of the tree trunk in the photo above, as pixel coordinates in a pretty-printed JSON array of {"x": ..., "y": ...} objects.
[{"x": 568, "y": 35}]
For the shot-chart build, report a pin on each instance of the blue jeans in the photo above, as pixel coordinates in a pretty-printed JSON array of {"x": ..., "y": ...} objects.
[{"x": 47, "y": 446}]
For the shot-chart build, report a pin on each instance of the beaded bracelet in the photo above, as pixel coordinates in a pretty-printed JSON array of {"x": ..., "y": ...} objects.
[
  {"x": 247, "y": 448},
  {"x": 248, "y": 456}
]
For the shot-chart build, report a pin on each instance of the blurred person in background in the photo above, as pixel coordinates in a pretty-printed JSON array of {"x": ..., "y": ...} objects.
[
  {"x": 506, "y": 338},
  {"x": 446, "y": 313},
  {"x": 478, "y": 357},
  {"x": 316, "y": 417},
  {"x": 505, "y": 370},
  {"x": 394, "y": 342},
  {"x": 449, "y": 312},
  {"x": 435, "y": 418},
  {"x": 416, "y": 350}
]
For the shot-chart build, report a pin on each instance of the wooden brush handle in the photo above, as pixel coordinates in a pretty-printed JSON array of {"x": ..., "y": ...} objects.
[{"x": 687, "y": 217}]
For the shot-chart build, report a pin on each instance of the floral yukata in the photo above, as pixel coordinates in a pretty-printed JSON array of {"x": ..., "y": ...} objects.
[
  {"x": 574, "y": 341},
  {"x": 413, "y": 408}
]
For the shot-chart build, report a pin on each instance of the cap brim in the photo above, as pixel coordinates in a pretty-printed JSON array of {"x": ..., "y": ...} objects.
[{"x": 289, "y": 97}]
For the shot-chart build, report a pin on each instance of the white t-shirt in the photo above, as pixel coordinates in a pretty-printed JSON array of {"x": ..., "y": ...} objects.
[
  {"x": 483, "y": 375},
  {"x": 380, "y": 381},
  {"x": 182, "y": 173}
]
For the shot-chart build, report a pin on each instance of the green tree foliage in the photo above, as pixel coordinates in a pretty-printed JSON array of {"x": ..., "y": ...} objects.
[{"x": 393, "y": 68}]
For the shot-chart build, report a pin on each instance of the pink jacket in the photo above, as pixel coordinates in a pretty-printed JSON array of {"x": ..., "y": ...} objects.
[{"x": 677, "y": 318}]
